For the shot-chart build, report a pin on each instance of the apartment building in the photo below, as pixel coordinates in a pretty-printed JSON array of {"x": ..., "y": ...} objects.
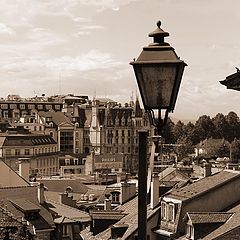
[{"x": 40, "y": 150}]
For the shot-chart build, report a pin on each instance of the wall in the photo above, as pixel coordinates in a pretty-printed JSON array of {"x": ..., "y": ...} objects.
[
  {"x": 212, "y": 201},
  {"x": 9, "y": 178},
  {"x": 233, "y": 235}
]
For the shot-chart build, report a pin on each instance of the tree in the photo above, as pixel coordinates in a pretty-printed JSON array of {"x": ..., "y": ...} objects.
[
  {"x": 204, "y": 128},
  {"x": 220, "y": 126},
  {"x": 235, "y": 151},
  {"x": 167, "y": 131},
  {"x": 178, "y": 130},
  {"x": 232, "y": 126}
]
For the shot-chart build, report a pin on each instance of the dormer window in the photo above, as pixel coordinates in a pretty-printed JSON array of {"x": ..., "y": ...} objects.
[
  {"x": 164, "y": 210},
  {"x": 115, "y": 196}
]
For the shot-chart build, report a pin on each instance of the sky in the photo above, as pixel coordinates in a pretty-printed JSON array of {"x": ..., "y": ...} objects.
[{"x": 84, "y": 47}]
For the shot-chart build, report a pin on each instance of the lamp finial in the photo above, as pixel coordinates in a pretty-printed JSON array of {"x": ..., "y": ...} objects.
[{"x": 159, "y": 23}]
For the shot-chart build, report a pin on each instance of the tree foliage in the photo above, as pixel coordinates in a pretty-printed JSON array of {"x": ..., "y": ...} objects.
[{"x": 226, "y": 127}]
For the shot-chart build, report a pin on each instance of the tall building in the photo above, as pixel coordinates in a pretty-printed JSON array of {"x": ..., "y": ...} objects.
[{"x": 114, "y": 130}]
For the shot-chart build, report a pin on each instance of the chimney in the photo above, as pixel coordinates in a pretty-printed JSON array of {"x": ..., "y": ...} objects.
[
  {"x": 107, "y": 203},
  {"x": 41, "y": 193},
  {"x": 67, "y": 200},
  {"x": 24, "y": 167},
  {"x": 119, "y": 177},
  {"x": 207, "y": 171},
  {"x": 128, "y": 191},
  {"x": 154, "y": 191}
]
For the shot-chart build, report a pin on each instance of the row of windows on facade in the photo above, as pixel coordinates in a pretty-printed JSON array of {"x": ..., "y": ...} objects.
[
  {"x": 129, "y": 122},
  {"x": 122, "y": 140},
  {"x": 76, "y": 161},
  {"x": 30, "y": 106},
  {"x": 120, "y": 150},
  {"x": 50, "y": 171},
  {"x": 47, "y": 162},
  {"x": 27, "y": 151}
]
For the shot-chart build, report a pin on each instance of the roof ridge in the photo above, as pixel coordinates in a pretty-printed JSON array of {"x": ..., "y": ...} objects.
[{"x": 67, "y": 206}]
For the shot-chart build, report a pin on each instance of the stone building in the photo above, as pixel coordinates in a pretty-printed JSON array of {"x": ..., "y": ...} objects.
[
  {"x": 13, "y": 110},
  {"x": 41, "y": 151},
  {"x": 114, "y": 130}
]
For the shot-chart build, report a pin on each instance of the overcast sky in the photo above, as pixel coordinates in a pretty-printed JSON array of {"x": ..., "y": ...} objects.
[{"x": 85, "y": 46}]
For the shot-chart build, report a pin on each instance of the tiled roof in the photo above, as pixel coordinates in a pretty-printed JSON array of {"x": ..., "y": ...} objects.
[
  {"x": 27, "y": 194},
  {"x": 6, "y": 220},
  {"x": 54, "y": 196},
  {"x": 27, "y": 140},
  {"x": 68, "y": 212},
  {"x": 57, "y": 117},
  {"x": 102, "y": 214},
  {"x": 130, "y": 209},
  {"x": 232, "y": 223},
  {"x": 60, "y": 185},
  {"x": 25, "y": 205},
  {"x": 209, "y": 217},
  {"x": 204, "y": 185}
]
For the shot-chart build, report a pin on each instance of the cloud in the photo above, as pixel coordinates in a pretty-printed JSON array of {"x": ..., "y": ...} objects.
[
  {"x": 101, "y": 5},
  {"x": 4, "y": 29}
]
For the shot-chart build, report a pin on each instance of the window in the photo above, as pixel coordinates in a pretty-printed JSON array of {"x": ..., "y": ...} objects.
[
  {"x": 22, "y": 106},
  {"x": 109, "y": 140},
  {"x": 66, "y": 141},
  {"x": 115, "y": 197},
  {"x": 27, "y": 152},
  {"x": 57, "y": 107},
  {"x": 67, "y": 161},
  {"x": 4, "y": 106},
  {"x": 40, "y": 107},
  {"x": 48, "y": 107},
  {"x": 31, "y": 106},
  {"x": 8, "y": 152},
  {"x": 75, "y": 161},
  {"x": 65, "y": 230},
  {"x": 171, "y": 212},
  {"x": 164, "y": 210},
  {"x": 17, "y": 152},
  {"x": 13, "y": 106}
]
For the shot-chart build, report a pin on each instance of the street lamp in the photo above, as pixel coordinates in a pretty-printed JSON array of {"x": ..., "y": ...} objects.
[{"x": 158, "y": 71}]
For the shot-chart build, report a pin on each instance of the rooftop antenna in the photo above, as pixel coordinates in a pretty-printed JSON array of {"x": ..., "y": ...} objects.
[
  {"x": 131, "y": 97},
  {"x": 94, "y": 94},
  {"x": 59, "y": 82}
]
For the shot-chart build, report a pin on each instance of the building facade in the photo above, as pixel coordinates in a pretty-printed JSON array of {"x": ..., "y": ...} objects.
[
  {"x": 40, "y": 150},
  {"x": 114, "y": 130}
]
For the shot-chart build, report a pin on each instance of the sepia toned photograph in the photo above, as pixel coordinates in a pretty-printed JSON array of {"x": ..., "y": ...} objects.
[{"x": 119, "y": 120}]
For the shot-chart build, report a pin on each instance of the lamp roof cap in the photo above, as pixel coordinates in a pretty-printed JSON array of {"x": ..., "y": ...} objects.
[{"x": 158, "y": 32}]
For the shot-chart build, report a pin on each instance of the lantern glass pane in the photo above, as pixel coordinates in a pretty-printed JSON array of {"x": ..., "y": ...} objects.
[{"x": 156, "y": 84}]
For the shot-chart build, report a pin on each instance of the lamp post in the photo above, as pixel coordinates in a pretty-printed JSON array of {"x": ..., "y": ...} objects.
[{"x": 158, "y": 71}]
